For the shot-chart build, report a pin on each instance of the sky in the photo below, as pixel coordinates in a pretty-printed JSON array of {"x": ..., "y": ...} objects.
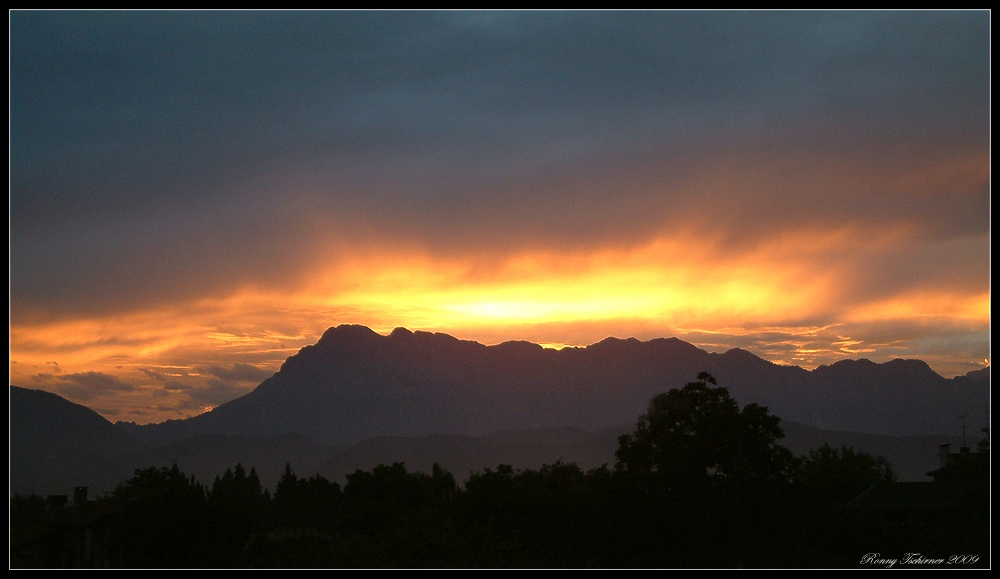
[{"x": 194, "y": 196}]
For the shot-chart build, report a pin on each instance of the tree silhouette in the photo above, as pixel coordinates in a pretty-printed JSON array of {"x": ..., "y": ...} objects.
[
  {"x": 167, "y": 521},
  {"x": 698, "y": 434},
  {"x": 239, "y": 504},
  {"x": 306, "y": 503},
  {"x": 703, "y": 476},
  {"x": 833, "y": 477}
]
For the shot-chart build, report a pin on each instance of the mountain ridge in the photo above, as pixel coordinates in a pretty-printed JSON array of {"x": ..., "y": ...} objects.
[{"x": 354, "y": 383}]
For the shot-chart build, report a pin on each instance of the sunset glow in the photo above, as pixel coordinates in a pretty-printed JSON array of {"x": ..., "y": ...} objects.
[
  {"x": 181, "y": 222},
  {"x": 675, "y": 287}
]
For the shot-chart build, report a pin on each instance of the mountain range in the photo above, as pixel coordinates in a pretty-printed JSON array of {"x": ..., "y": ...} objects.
[
  {"x": 356, "y": 397},
  {"x": 354, "y": 384}
]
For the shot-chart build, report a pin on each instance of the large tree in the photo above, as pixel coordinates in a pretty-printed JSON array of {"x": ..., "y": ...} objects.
[
  {"x": 701, "y": 478},
  {"x": 706, "y": 477},
  {"x": 698, "y": 434}
]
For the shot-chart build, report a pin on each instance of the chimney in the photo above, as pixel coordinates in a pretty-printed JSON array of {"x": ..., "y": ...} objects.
[
  {"x": 943, "y": 452},
  {"x": 79, "y": 496}
]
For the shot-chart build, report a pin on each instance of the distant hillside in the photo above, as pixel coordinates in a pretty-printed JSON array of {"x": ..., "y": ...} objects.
[
  {"x": 355, "y": 384},
  {"x": 912, "y": 457},
  {"x": 207, "y": 456},
  {"x": 462, "y": 455},
  {"x": 56, "y": 445}
]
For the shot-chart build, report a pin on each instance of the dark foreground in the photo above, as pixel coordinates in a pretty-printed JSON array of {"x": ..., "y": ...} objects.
[{"x": 700, "y": 483}]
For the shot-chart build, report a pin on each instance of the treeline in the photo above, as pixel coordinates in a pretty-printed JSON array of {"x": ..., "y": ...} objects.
[{"x": 700, "y": 483}]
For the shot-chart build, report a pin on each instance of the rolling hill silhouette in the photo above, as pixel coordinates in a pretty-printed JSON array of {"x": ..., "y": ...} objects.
[{"x": 56, "y": 445}]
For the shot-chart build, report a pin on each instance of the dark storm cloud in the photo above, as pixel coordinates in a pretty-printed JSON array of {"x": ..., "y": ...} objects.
[
  {"x": 239, "y": 373},
  {"x": 190, "y": 396},
  {"x": 89, "y": 385},
  {"x": 176, "y": 386},
  {"x": 97, "y": 381},
  {"x": 216, "y": 392},
  {"x": 163, "y": 155},
  {"x": 158, "y": 376},
  {"x": 171, "y": 388}
]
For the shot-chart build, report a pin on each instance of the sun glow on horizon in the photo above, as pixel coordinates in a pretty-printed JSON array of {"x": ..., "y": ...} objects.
[{"x": 774, "y": 295}]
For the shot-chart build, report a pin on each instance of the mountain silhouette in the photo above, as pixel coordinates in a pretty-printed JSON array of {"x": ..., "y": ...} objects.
[
  {"x": 355, "y": 384},
  {"x": 56, "y": 445}
]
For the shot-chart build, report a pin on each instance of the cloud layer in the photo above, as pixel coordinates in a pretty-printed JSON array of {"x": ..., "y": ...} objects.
[{"x": 510, "y": 175}]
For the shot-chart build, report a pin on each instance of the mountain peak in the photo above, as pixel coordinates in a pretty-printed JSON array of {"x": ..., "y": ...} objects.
[
  {"x": 347, "y": 331},
  {"x": 355, "y": 383},
  {"x": 401, "y": 333}
]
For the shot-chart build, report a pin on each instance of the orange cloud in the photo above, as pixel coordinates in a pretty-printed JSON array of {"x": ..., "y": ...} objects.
[
  {"x": 792, "y": 290},
  {"x": 925, "y": 304}
]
